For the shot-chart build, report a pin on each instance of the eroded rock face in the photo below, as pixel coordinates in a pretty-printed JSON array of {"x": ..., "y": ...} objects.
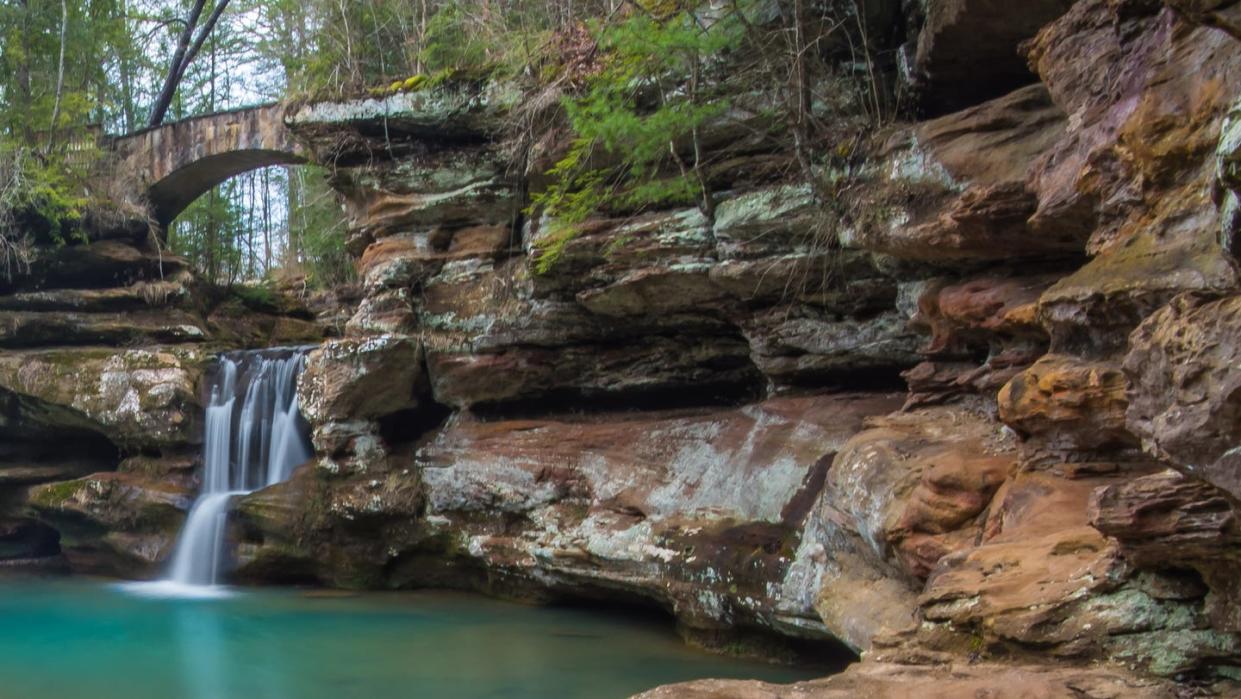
[
  {"x": 699, "y": 511},
  {"x": 1135, "y": 168},
  {"x": 363, "y": 379},
  {"x": 932, "y": 200},
  {"x": 898, "y": 496},
  {"x": 1183, "y": 403},
  {"x": 893, "y": 681},
  {"x": 136, "y": 398},
  {"x": 1169, "y": 521},
  {"x": 912, "y": 482},
  {"x": 120, "y": 524},
  {"x": 999, "y": 256},
  {"x": 1044, "y": 579},
  {"x": 1066, "y": 405},
  {"x": 968, "y": 50}
]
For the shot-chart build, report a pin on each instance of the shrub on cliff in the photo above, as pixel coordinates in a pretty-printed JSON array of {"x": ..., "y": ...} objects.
[
  {"x": 669, "y": 78},
  {"x": 637, "y": 125},
  {"x": 38, "y": 203}
]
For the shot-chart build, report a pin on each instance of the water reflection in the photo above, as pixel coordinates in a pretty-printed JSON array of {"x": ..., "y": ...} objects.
[
  {"x": 208, "y": 637},
  {"x": 200, "y": 645}
]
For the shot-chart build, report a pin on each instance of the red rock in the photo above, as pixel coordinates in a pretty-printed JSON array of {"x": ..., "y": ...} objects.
[
  {"x": 874, "y": 680},
  {"x": 1167, "y": 520},
  {"x": 1148, "y": 93},
  {"x": 913, "y": 480},
  {"x": 980, "y": 312},
  {"x": 1166, "y": 517},
  {"x": 959, "y": 208},
  {"x": 1065, "y": 404}
]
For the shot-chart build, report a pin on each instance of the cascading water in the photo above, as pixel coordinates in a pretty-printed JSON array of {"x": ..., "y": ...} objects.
[{"x": 246, "y": 446}]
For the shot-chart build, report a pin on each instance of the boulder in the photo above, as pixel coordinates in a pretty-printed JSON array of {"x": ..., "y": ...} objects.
[
  {"x": 1064, "y": 404},
  {"x": 361, "y": 379},
  {"x": 1183, "y": 401}
]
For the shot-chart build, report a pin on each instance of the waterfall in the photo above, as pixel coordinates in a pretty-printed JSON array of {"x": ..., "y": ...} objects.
[{"x": 246, "y": 446}]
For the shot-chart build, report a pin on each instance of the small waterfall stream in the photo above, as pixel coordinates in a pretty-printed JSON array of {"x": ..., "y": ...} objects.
[{"x": 254, "y": 438}]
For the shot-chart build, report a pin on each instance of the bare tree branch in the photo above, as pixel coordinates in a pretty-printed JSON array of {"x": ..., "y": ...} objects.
[{"x": 184, "y": 55}]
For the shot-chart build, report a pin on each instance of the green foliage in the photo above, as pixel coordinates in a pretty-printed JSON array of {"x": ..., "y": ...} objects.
[
  {"x": 415, "y": 83},
  {"x": 51, "y": 198},
  {"x": 319, "y": 229},
  {"x": 95, "y": 34},
  {"x": 39, "y": 196},
  {"x": 633, "y": 123},
  {"x": 259, "y": 297},
  {"x": 328, "y": 262},
  {"x": 239, "y": 233},
  {"x": 208, "y": 234},
  {"x": 450, "y": 44}
]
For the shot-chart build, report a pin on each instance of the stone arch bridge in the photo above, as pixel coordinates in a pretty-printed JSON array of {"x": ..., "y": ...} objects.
[{"x": 181, "y": 161}]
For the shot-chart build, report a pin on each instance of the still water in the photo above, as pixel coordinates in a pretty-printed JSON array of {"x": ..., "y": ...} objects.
[{"x": 69, "y": 639}]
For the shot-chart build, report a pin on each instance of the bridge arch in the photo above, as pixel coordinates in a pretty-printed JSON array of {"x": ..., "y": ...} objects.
[{"x": 181, "y": 161}]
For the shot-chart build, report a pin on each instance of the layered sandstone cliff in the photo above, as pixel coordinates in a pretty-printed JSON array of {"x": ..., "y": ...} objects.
[{"x": 1042, "y": 270}]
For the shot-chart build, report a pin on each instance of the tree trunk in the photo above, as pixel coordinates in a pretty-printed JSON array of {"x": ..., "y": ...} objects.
[
  {"x": 184, "y": 55},
  {"x": 60, "y": 68},
  {"x": 160, "y": 108}
]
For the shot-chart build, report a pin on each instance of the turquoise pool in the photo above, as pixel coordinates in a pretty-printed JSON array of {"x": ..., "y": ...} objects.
[{"x": 96, "y": 640}]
